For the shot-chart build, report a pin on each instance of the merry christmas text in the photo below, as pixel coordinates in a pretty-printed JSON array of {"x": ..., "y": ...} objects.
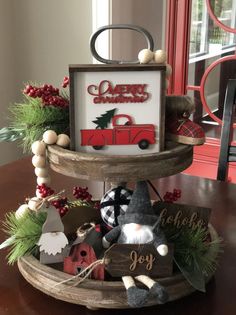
[{"x": 105, "y": 92}]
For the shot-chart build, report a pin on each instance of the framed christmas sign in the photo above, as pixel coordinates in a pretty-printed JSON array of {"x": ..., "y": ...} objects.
[{"x": 117, "y": 109}]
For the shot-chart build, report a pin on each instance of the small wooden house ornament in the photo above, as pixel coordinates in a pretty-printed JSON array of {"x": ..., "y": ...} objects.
[
  {"x": 53, "y": 241},
  {"x": 85, "y": 250}
]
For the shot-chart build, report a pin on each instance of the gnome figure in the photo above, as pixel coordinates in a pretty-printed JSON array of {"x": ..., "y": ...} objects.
[
  {"x": 140, "y": 225},
  {"x": 53, "y": 240}
]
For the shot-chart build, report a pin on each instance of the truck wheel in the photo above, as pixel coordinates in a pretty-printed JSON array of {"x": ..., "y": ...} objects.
[
  {"x": 143, "y": 144},
  {"x": 98, "y": 147}
]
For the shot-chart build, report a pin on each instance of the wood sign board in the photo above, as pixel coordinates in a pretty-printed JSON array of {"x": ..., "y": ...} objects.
[
  {"x": 133, "y": 260},
  {"x": 117, "y": 109},
  {"x": 182, "y": 215}
]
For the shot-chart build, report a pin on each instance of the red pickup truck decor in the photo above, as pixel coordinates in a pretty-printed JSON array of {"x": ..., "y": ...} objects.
[
  {"x": 129, "y": 133},
  {"x": 120, "y": 93}
]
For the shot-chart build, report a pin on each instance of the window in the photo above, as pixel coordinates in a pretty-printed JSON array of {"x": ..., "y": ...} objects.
[{"x": 206, "y": 38}]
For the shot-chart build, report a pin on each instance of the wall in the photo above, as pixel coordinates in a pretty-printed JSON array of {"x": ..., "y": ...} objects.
[
  {"x": 38, "y": 40},
  {"x": 150, "y": 14}
]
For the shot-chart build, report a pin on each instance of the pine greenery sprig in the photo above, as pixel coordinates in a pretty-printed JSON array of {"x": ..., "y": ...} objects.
[
  {"x": 24, "y": 233},
  {"x": 194, "y": 253},
  {"x": 32, "y": 119}
]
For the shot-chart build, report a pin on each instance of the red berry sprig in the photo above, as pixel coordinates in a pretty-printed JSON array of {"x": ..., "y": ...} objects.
[
  {"x": 49, "y": 95},
  {"x": 172, "y": 196},
  {"x": 44, "y": 190},
  {"x": 61, "y": 205},
  {"x": 65, "y": 82},
  {"x": 82, "y": 193}
]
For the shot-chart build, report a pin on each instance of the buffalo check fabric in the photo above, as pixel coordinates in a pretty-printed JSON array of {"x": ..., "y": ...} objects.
[{"x": 114, "y": 203}]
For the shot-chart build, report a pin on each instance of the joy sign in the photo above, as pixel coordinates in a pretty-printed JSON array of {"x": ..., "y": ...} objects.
[{"x": 127, "y": 259}]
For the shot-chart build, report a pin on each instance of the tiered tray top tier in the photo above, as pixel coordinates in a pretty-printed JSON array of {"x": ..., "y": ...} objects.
[{"x": 174, "y": 159}]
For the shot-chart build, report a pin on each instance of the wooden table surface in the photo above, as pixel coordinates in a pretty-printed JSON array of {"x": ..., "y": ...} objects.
[{"x": 17, "y": 297}]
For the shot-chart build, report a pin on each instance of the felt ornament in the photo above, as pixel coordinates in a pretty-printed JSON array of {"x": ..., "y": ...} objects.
[
  {"x": 53, "y": 242},
  {"x": 113, "y": 203},
  {"x": 145, "y": 55},
  {"x": 179, "y": 106},
  {"x": 140, "y": 225}
]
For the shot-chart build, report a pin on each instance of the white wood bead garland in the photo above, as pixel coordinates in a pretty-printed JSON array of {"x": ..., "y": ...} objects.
[
  {"x": 145, "y": 56},
  {"x": 160, "y": 56},
  {"x": 63, "y": 140},
  {"x": 39, "y": 159},
  {"x": 50, "y": 137},
  {"x": 21, "y": 211},
  {"x": 38, "y": 148}
]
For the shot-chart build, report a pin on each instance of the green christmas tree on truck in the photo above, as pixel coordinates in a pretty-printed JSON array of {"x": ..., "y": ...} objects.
[{"x": 104, "y": 120}]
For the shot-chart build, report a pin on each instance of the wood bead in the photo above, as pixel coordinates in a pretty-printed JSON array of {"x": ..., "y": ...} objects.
[
  {"x": 145, "y": 55},
  {"x": 168, "y": 70},
  {"x": 41, "y": 172},
  {"x": 63, "y": 140},
  {"x": 33, "y": 202},
  {"x": 160, "y": 56},
  {"x": 39, "y": 161},
  {"x": 38, "y": 148},
  {"x": 21, "y": 211},
  {"x": 50, "y": 137},
  {"x": 44, "y": 180}
]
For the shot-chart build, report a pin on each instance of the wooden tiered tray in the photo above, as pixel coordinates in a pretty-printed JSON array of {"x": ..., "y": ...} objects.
[
  {"x": 175, "y": 159},
  {"x": 95, "y": 294},
  {"x": 114, "y": 169}
]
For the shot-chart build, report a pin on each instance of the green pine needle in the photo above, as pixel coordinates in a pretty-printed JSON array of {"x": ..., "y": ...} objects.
[
  {"x": 25, "y": 231},
  {"x": 33, "y": 119},
  {"x": 193, "y": 248}
]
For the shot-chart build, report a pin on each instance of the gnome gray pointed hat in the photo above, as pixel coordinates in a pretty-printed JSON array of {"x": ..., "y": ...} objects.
[{"x": 140, "y": 209}]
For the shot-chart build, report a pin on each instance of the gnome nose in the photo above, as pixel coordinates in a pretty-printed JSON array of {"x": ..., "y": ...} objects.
[{"x": 137, "y": 227}]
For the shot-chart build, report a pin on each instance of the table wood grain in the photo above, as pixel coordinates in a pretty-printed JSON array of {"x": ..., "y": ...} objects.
[{"x": 17, "y": 297}]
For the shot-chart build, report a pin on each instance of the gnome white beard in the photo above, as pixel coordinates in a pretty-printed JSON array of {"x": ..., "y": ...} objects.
[
  {"x": 133, "y": 236},
  {"x": 52, "y": 243}
]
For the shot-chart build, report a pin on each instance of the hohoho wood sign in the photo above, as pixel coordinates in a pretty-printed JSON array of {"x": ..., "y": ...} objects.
[
  {"x": 128, "y": 259},
  {"x": 117, "y": 109}
]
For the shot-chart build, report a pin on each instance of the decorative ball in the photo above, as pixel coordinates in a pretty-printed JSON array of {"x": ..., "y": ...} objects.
[
  {"x": 41, "y": 172},
  {"x": 145, "y": 55},
  {"x": 38, "y": 148},
  {"x": 63, "y": 140},
  {"x": 50, "y": 137},
  {"x": 44, "y": 180},
  {"x": 33, "y": 202},
  {"x": 21, "y": 211},
  {"x": 39, "y": 161},
  {"x": 168, "y": 70},
  {"x": 160, "y": 56},
  {"x": 114, "y": 202}
]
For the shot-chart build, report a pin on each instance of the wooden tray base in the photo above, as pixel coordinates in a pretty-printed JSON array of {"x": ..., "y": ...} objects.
[{"x": 95, "y": 294}]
